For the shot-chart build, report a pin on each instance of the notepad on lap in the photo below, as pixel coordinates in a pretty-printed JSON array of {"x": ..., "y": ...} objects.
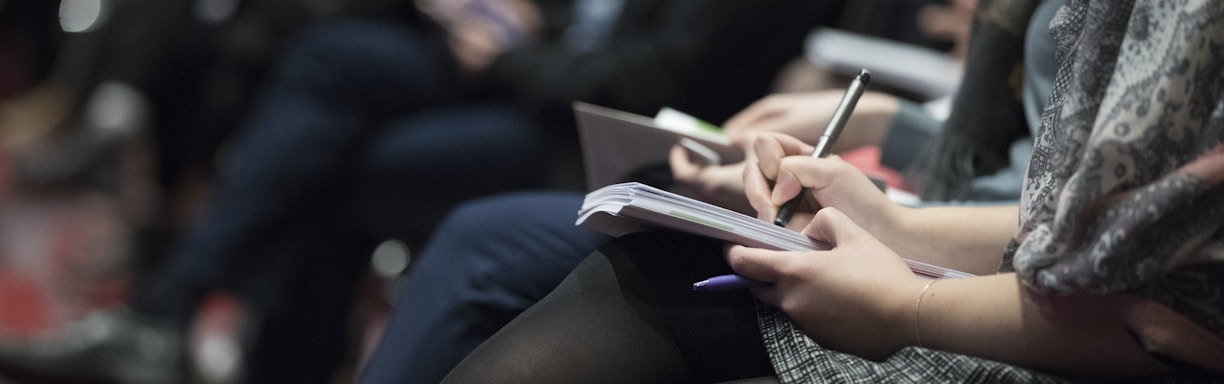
[{"x": 624, "y": 208}]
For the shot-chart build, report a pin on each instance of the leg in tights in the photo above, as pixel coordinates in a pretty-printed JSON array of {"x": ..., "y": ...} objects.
[
  {"x": 628, "y": 314},
  {"x": 488, "y": 261}
]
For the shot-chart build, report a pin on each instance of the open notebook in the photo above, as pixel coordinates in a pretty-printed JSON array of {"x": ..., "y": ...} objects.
[{"x": 624, "y": 208}]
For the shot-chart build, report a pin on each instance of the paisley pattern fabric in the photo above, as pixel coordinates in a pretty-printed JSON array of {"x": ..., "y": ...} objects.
[{"x": 1106, "y": 205}]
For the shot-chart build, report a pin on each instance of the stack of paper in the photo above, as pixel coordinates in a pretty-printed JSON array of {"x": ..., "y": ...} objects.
[{"x": 624, "y": 208}]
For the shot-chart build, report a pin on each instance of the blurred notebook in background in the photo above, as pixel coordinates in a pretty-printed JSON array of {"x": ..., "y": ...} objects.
[
  {"x": 617, "y": 145},
  {"x": 624, "y": 208}
]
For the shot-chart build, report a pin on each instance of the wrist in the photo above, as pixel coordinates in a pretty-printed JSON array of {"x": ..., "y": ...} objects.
[
  {"x": 892, "y": 227},
  {"x": 906, "y": 315},
  {"x": 917, "y": 312}
]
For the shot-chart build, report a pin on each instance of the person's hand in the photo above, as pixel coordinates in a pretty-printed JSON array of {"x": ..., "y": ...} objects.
[
  {"x": 474, "y": 46},
  {"x": 952, "y": 22},
  {"x": 1208, "y": 167},
  {"x": 784, "y": 167},
  {"x": 858, "y": 297},
  {"x": 479, "y": 30},
  {"x": 797, "y": 114},
  {"x": 805, "y": 116},
  {"x": 721, "y": 185}
]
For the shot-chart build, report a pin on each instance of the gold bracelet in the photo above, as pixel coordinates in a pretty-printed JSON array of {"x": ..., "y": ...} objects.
[{"x": 918, "y": 311}]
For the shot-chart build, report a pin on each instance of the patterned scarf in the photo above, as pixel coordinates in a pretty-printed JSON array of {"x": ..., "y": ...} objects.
[{"x": 1124, "y": 191}]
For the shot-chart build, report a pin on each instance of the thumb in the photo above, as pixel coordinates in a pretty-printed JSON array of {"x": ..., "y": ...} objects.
[
  {"x": 833, "y": 226},
  {"x": 1208, "y": 166},
  {"x": 681, "y": 165}
]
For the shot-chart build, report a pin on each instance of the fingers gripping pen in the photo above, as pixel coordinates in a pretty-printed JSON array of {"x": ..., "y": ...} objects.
[
  {"x": 823, "y": 146},
  {"x": 825, "y": 143}
]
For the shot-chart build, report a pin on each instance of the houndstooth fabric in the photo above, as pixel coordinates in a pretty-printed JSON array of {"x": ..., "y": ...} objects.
[{"x": 798, "y": 359}]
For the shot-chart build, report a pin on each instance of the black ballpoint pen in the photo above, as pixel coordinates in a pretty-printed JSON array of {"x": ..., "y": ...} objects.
[{"x": 825, "y": 144}]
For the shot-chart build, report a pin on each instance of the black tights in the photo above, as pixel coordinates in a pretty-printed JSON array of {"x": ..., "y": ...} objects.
[{"x": 628, "y": 314}]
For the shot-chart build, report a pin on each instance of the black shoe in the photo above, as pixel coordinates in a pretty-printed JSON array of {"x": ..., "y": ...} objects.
[{"x": 110, "y": 346}]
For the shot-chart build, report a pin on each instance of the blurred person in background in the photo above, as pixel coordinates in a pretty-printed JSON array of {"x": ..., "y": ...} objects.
[
  {"x": 360, "y": 131},
  {"x": 460, "y": 292},
  {"x": 1107, "y": 274},
  {"x": 175, "y": 75}
]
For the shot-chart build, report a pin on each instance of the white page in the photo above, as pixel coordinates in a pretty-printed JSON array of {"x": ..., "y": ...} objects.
[{"x": 624, "y": 208}]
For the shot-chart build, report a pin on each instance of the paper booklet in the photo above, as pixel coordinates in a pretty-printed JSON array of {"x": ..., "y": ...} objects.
[
  {"x": 625, "y": 208},
  {"x": 618, "y": 144}
]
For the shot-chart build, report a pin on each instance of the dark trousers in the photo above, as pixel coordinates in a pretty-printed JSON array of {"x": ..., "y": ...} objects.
[
  {"x": 363, "y": 133},
  {"x": 488, "y": 261}
]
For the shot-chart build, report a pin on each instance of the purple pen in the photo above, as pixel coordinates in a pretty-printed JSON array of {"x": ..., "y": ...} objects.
[{"x": 726, "y": 283}]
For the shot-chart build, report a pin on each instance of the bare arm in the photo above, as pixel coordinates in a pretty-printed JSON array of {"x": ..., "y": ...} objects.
[
  {"x": 994, "y": 317},
  {"x": 968, "y": 239},
  {"x": 804, "y": 116},
  {"x": 860, "y": 298}
]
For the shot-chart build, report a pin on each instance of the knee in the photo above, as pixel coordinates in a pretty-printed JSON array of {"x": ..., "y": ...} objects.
[
  {"x": 505, "y": 246},
  {"x": 467, "y": 239},
  {"x": 465, "y": 271},
  {"x": 475, "y": 219}
]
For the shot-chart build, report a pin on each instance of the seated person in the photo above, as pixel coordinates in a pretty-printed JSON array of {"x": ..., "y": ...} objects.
[
  {"x": 359, "y": 133},
  {"x": 1111, "y": 272},
  {"x": 461, "y": 290}
]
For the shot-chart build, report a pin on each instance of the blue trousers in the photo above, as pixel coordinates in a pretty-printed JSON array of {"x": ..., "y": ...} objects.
[
  {"x": 486, "y": 263},
  {"x": 363, "y": 133}
]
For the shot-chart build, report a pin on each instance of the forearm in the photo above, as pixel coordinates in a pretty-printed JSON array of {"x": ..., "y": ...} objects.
[
  {"x": 804, "y": 115},
  {"x": 968, "y": 239},
  {"x": 994, "y": 317}
]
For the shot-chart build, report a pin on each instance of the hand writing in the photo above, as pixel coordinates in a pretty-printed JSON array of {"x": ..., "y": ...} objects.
[
  {"x": 857, "y": 297},
  {"x": 784, "y": 167}
]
